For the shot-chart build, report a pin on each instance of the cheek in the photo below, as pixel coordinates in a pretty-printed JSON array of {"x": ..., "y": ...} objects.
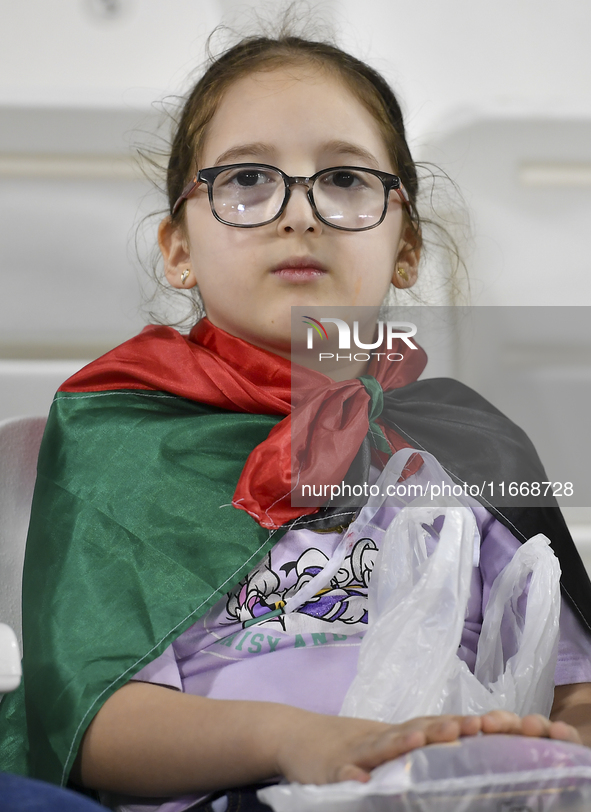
[
  {"x": 376, "y": 254},
  {"x": 211, "y": 247},
  {"x": 382, "y": 267}
]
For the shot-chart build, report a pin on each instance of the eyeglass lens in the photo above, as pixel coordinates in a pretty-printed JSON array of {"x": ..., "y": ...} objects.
[{"x": 254, "y": 195}]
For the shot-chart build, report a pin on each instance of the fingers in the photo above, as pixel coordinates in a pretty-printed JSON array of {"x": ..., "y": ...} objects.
[
  {"x": 564, "y": 732},
  {"x": 501, "y": 721},
  {"x": 449, "y": 728},
  {"x": 470, "y": 725},
  {"x": 535, "y": 725},
  {"x": 444, "y": 730},
  {"x": 408, "y": 741}
]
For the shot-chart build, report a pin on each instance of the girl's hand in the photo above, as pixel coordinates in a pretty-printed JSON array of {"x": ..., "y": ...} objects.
[
  {"x": 328, "y": 749},
  {"x": 318, "y": 749}
]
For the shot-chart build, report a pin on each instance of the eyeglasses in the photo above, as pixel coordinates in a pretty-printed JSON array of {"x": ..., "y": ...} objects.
[{"x": 351, "y": 198}]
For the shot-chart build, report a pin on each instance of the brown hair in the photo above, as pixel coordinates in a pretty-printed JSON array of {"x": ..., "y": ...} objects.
[{"x": 264, "y": 53}]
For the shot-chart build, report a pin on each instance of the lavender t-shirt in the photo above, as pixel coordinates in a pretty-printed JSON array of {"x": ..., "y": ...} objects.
[{"x": 246, "y": 647}]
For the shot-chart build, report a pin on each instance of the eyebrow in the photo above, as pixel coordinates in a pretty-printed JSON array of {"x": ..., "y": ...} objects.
[
  {"x": 347, "y": 148},
  {"x": 259, "y": 149}
]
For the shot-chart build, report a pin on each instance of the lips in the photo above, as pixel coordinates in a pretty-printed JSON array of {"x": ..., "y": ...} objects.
[{"x": 298, "y": 269}]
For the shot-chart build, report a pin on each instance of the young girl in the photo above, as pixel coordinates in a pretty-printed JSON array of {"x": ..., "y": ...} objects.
[{"x": 160, "y": 668}]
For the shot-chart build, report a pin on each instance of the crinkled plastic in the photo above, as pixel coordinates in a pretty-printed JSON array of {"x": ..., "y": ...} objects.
[
  {"x": 409, "y": 667},
  {"x": 408, "y": 663},
  {"x": 475, "y": 774}
]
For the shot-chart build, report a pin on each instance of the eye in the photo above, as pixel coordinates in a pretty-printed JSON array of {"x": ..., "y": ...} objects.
[
  {"x": 247, "y": 178},
  {"x": 250, "y": 178},
  {"x": 344, "y": 179}
]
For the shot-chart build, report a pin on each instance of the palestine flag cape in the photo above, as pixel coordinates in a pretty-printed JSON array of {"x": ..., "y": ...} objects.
[{"x": 164, "y": 478}]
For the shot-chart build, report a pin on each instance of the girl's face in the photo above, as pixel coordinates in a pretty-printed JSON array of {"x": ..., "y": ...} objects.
[{"x": 301, "y": 120}]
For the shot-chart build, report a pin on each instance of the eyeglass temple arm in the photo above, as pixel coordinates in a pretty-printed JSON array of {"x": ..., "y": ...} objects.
[
  {"x": 404, "y": 198},
  {"x": 187, "y": 191},
  {"x": 402, "y": 193}
]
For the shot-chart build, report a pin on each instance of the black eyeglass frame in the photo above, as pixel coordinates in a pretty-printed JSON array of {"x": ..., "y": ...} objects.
[{"x": 389, "y": 182}]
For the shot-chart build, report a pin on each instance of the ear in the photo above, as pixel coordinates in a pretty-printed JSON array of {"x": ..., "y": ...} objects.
[
  {"x": 406, "y": 270},
  {"x": 174, "y": 247}
]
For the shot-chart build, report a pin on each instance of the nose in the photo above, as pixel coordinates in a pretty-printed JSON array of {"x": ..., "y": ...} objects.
[{"x": 298, "y": 216}]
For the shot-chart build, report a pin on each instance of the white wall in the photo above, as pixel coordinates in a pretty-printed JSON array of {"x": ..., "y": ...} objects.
[
  {"x": 61, "y": 52},
  {"x": 446, "y": 58},
  {"x": 456, "y": 58}
]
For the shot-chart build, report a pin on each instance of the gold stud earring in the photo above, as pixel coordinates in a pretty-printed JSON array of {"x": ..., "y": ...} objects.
[
  {"x": 402, "y": 273},
  {"x": 185, "y": 275}
]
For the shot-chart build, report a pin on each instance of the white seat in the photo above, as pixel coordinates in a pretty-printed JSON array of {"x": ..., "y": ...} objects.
[
  {"x": 20, "y": 438},
  {"x": 10, "y": 660}
]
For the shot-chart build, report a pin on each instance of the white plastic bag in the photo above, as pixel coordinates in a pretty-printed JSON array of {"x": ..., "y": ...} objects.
[{"x": 408, "y": 663}]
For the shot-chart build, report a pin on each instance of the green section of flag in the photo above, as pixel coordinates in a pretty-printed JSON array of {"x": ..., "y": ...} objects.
[{"x": 132, "y": 539}]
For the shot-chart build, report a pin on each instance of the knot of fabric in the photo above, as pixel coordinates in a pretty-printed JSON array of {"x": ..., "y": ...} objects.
[
  {"x": 374, "y": 389},
  {"x": 376, "y": 393}
]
